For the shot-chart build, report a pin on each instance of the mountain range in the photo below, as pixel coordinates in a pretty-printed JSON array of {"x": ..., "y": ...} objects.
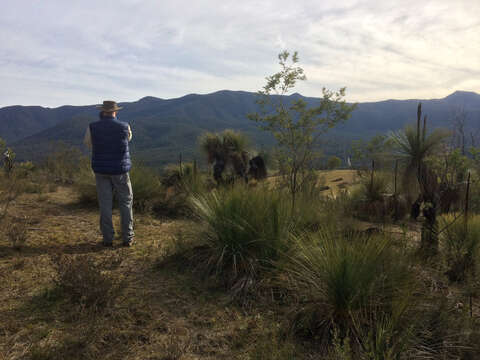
[{"x": 165, "y": 128}]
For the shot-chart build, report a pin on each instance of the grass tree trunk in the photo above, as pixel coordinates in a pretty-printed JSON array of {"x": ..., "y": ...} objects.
[
  {"x": 429, "y": 186},
  {"x": 429, "y": 239}
]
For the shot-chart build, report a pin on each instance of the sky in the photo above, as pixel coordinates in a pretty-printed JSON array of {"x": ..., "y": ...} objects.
[{"x": 57, "y": 52}]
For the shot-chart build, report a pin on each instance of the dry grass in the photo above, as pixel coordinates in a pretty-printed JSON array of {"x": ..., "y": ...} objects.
[
  {"x": 159, "y": 313},
  {"x": 336, "y": 180}
]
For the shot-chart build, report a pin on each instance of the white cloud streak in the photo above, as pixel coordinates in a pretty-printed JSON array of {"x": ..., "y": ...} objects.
[{"x": 55, "y": 52}]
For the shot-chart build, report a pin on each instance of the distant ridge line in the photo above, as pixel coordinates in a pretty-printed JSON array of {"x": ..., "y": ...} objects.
[{"x": 456, "y": 93}]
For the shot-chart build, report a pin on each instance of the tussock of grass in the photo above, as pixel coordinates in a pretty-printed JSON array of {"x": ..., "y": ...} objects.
[
  {"x": 461, "y": 244},
  {"x": 337, "y": 278},
  {"x": 247, "y": 229}
]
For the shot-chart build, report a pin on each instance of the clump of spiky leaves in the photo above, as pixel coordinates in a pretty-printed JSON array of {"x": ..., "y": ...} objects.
[
  {"x": 461, "y": 244},
  {"x": 229, "y": 147},
  {"x": 339, "y": 278},
  {"x": 234, "y": 141},
  {"x": 212, "y": 145},
  {"x": 246, "y": 229},
  {"x": 414, "y": 145}
]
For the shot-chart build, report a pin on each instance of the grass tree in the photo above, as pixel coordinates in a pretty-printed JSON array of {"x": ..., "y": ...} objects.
[
  {"x": 228, "y": 148},
  {"x": 295, "y": 125},
  {"x": 414, "y": 146}
]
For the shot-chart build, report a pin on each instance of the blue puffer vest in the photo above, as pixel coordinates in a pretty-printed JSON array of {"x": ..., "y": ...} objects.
[{"x": 110, "y": 152}]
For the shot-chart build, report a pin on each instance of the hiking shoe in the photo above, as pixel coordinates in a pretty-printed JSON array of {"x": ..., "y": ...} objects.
[
  {"x": 129, "y": 243},
  {"x": 105, "y": 244}
]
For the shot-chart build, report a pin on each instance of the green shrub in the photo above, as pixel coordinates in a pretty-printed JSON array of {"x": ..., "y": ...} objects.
[
  {"x": 338, "y": 278},
  {"x": 461, "y": 244},
  {"x": 247, "y": 229},
  {"x": 146, "y": 186}
]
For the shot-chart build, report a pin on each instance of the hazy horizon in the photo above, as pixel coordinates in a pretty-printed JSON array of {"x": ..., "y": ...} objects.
[
  {"x": 178, "y": 97},
  {"x": 80, "y": 52}
]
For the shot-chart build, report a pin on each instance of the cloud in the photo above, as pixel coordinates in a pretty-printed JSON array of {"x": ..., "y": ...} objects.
[{"x": 78, "y": 52}]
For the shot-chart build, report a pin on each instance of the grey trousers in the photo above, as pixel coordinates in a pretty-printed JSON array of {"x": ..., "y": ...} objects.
[{"x": 106, "y": 186}]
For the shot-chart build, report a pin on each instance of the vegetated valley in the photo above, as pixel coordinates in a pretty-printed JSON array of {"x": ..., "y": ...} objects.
[{"x": 165, "y": 128}]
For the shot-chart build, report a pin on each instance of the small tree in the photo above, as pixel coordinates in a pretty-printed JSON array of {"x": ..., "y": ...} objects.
[
  {"x": 334, "y": 162},
  {"x": 296, "y": 126}
]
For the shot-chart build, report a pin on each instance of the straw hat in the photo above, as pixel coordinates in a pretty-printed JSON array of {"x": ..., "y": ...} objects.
[{"x": 109, "y": 106}]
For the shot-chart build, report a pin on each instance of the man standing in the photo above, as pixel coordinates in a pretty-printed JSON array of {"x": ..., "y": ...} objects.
[{"x": 108, "y": 138}]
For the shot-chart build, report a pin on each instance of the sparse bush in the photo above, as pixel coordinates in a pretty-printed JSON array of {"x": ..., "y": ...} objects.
[
  {"x": 247, "y": 229},
  {"x": 375, "y": 187},
  {"x": 369, "y": 199},
  {"x": 24, "y": 169},
  {"x": 147, "y": 189},
  {"x": 64, "y": 163},
  {"x": 315, "y": 209},
  {"x": 84, "y": 283},
  {"x": 86, "y": 188},
  {"x": 180, "y": 184},
  {"x": 17, "y": 232},
  {"x": 9, "y": 191},
  {"x": 174, "y": 175}
]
